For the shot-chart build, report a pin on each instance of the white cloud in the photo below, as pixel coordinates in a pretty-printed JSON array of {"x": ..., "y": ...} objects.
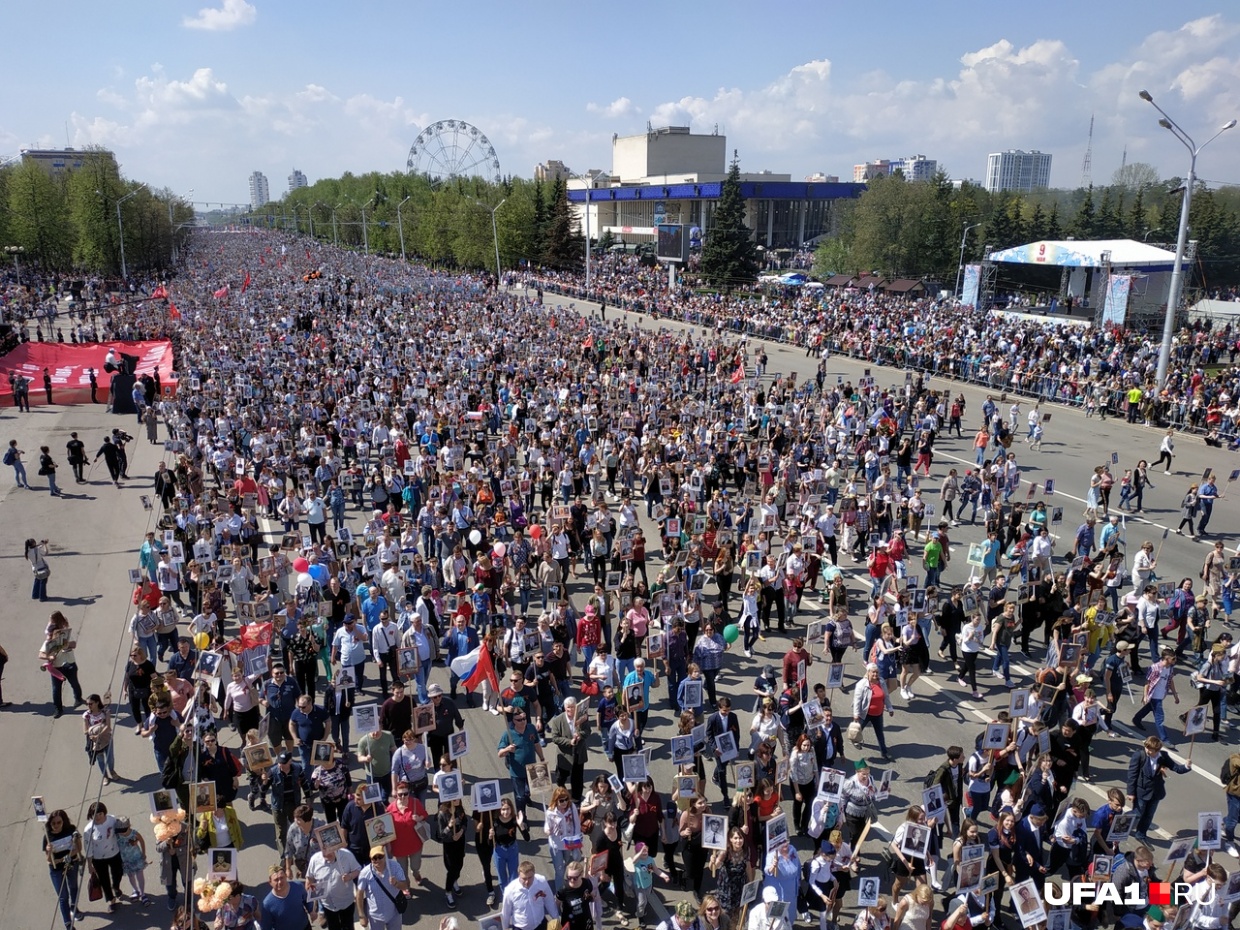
[
  {"x": 620, "y": 107},
  {"x": 232, "y": 14},
  {"x": 1038, "y": 95}
]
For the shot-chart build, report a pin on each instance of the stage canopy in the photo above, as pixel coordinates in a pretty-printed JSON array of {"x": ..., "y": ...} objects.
[
  {"x": 1128, "y": 254},
  {"x": 68, "y": 366}
]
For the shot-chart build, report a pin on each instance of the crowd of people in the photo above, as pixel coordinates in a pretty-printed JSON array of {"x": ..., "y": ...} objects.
[
  {"x": 1108, "y": 369},
  {"x": 396, "y": 501}
]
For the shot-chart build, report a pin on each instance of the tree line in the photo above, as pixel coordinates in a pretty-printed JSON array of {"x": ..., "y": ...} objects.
[
  {"x": 68, "y": 221},
  {"x": 914, "y": 228}
]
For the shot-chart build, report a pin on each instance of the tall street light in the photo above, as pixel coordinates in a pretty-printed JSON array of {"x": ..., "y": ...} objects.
[
  {"x": 494, "y": 231},
  {"x": 1177, "y": 271},
  {"x": 365, "y": 237},
  {"x": 335, "y": 238},
  {"x": 589, "y": 184},
  {"x": 964, "y": 238},
  {"x": 120, "y": 227},
  {"x": 400, "y": 227},
  {"x": 16, "y": 251}
]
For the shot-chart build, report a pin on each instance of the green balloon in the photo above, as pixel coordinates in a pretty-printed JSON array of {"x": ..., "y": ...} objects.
[{"x": 731, "y": 632}]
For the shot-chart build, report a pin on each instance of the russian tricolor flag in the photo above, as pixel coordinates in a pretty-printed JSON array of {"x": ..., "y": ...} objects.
[{"x": 475, "y": 667}]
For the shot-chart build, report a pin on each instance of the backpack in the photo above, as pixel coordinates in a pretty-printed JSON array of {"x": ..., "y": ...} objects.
[
  {"x": 10, "y": 456},
  {"x": 1233, "y": 783}
]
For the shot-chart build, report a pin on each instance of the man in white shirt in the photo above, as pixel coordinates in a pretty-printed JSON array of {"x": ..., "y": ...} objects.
[
  {"x": 334, "y": 871},
  {"x": 316, "y": 515},
  {"x": 528, "y": 900}
]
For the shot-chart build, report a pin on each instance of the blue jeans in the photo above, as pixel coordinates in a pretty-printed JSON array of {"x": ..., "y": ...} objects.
[
  {"x": 675, "y": 675},
  {"x": 520, "y": 791},
  {"x": 341, "y": 728},
  {"x": 424, "y": 671},
  {"x": 19, "y": 473},
  {"x": 979, "y": 803},
  {"x": 106, "y": 759},
  {"x": 623, "y": 667},
  {"x": 1002, "y": 660},
  {"x": 38, "y": 591},
  {"x": 1155, "y": 705},
  {"x": 1151, "y": 636},
  {"x": 505, "y": 859},
  {"x": 932, "y": 577},
  {"x": 150, "y": 645},
  {"x": 65, "y": 881},
  {"x": 1232, "y": 818}
]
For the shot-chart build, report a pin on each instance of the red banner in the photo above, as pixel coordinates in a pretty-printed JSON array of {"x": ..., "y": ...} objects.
[{"x": 69, "y": 365}]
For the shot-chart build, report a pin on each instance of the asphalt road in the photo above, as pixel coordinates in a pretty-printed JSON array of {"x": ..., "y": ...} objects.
[{"x": 95, "y": 529}]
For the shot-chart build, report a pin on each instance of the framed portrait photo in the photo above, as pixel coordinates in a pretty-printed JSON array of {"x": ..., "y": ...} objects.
[{"x": 380, "y": 830}]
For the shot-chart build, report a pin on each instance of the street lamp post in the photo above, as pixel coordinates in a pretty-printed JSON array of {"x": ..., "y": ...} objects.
[
  {"x": 589, "y": 184},
  {"x": 494, "y": 230},
  {"x": 400, "y": 227},
  {"x": 365, "y": 237},
  {"x": 964, "y": 238},
  {"x": 120, "y": 228},
  {"x": 335, "y": 238},
  {"x": 15, "y": 251},
  {"x": 1177, "y": 271}
]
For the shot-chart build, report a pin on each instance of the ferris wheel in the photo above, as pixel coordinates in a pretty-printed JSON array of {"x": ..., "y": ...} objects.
[{"x": 453, "y": 148}]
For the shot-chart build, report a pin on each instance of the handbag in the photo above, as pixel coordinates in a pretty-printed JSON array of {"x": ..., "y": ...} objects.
[
  {"x": 94, "y": 888},
  {"x": 854, "y": 733},
  {"x": 400, "y": 902}
]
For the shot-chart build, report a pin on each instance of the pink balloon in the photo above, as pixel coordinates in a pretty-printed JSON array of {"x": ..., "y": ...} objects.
[{"x": 300, "y": 565}]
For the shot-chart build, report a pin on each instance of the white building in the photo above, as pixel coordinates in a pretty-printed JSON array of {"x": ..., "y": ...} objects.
[
  {"x": 1017, "y": 170},
  {"x": 260, "y": 193},
  {"x": 551, "y": 171},
  {"x": 915, "y": 167},
  {"x": 872, "y": 169},
  {"x": 296, "y": 180}
]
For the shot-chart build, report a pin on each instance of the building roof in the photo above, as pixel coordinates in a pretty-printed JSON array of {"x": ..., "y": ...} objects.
[
  {"x": 1126, "y": 253},
  {"x": 904, "y": 286}
]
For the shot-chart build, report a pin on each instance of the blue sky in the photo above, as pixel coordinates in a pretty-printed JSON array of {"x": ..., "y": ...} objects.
[{"x": 199, "y": 93}]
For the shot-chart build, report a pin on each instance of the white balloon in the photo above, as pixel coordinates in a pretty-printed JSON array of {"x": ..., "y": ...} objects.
[
  {"x": 304, "y": 580},
  {"x": 475, "y": 537}
]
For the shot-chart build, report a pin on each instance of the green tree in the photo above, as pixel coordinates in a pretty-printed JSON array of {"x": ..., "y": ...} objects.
[
  {"x": 729, "y": 254},
  {"x": 890, "y": 225},
  {"x": 1138, "y": 222},
  {"x": 564, "y": 245},
  {"x": 834, "y": 256},
  {"x": 39, "y": 216},
  {"x": 1037, "y": 224},
  {"x": 1053, "y": 229},
  {"x": 1085, "y": 223}
]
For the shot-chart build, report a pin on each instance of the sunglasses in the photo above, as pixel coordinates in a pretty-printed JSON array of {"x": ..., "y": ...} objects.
[
  {"x": 377, "y": 858},
  {"x": 402, "y": 794}
]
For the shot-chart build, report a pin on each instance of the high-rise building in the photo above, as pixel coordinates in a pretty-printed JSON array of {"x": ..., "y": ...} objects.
[
  {"x": 297, "y": 180},
  {"x": 871, "y": 169},
  {"x": 1017, "y": 170},
  {"x": 551, "y": 171},
  {"x": 915, "y": 167},
  {"x": 260, "y": 194}
]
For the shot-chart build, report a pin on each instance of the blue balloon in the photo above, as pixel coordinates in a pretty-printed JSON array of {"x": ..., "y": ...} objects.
[{"x": 320, "y": 573}]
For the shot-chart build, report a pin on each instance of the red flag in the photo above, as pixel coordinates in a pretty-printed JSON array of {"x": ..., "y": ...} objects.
[
  {"x": 246, "y": 283},
  {"x": 173, "y": 312},
  {"x": 738, "y": 375},
  {"x": 222, "y": 292},
  {"x": 485, "y": 670},
  {"x": 159, "y": 292},
  {"x": 589, "y": 343}
]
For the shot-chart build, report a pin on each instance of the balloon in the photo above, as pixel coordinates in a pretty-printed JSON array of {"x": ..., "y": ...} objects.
[
  {"x": 731, "y": 632},
  {"x": 202, "y": 640},
  {"x": 536, "y": 531},
  {"x": 475, "y": 537},
  {"x": 304, "y": 580},
  {"x": 300, "y": 565},
  {"x": 319, "y": 573},
  {"x": 500, "y": 550}
]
